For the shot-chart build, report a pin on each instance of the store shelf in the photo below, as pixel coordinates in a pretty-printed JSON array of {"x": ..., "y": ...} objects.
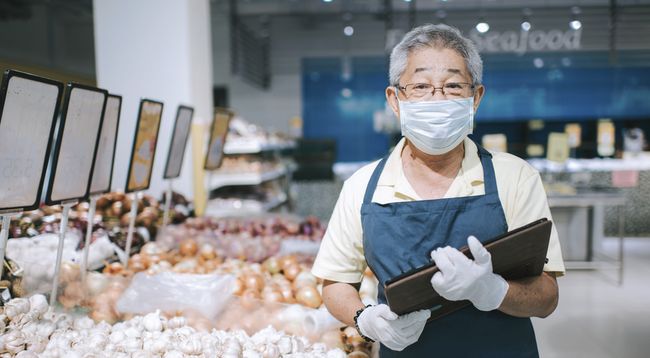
[
  {"x": 219, "y": 211},
  {"x": 219, "y": 180},
  {"x": 251, "y": 146},
  {"x": 641, "y": 162}
]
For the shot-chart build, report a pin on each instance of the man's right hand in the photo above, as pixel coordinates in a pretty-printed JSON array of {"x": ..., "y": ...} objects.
[{"x": 395, "y": 332}]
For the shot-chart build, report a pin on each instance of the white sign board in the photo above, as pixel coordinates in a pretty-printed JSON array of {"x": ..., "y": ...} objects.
[
  {"x": 76, "y": 144},
  {"x": 103, "y": 170},
  {"x": 30, "y": 105},
  {"x": 179, "y": 142}
]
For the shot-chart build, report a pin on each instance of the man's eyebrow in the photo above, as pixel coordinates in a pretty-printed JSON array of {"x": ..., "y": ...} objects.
[{"x": 452, "y": 70}]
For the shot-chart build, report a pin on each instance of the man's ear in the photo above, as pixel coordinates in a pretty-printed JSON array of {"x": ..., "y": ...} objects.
[
  {"x": 391, "y": 98},
  {"x": 478, "y": 96}
]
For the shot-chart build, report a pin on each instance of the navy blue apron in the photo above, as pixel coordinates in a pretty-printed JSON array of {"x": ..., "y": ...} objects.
[{"x": 398, "y": 237}]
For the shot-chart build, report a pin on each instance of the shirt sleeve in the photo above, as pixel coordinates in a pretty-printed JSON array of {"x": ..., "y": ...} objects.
[
  {"x": 531, "y": 204},
  {"x": 340, "y": 257}
]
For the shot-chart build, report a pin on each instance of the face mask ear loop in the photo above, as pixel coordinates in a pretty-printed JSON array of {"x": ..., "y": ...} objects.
[{"x": 471, "y": 116}]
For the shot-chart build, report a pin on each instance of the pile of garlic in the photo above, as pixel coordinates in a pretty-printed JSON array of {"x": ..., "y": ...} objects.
[{"x": 28, "y": 329}]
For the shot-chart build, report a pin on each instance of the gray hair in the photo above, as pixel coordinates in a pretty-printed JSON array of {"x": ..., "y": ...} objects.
[{"x": 429, "y": 35}]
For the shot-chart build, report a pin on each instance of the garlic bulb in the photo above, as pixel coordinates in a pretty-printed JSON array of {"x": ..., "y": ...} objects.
[
  {"x": 173, "y": 354},
  {"x": 26, "y": 354},
  {"x": 83, "y": 323},
  {"x": 176, "y": 322},
  {"x": 16, "y": 307},
  {"x": 152, "y": 322},
  {"x": 14, "y": 341},
  {"x": 190, "y": 346},
  {"x": 38, "y": 304}
]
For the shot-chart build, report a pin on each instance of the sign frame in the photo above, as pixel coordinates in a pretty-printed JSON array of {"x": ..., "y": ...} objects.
[
  {"x": 127, "y": 189},
  {"x": 8, "y": 74},
  {"x": 117, "y": 131},
  {"x": 171, "y": 143},
  {"x": 59, "y": 141},
  {"x": 217, "y": 111}
]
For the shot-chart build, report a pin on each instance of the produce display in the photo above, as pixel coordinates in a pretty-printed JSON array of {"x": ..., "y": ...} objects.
[
  {"x": 251, "y": 239},
  {"x": 242, "y": 133},
  {"x": 29, "y": 329},
  {"x": 111, "y": 219},
  {"x": 246, "y": 163}
]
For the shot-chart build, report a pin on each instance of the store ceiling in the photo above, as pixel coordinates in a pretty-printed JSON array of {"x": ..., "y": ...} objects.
[{"x": 289, "y": 7}]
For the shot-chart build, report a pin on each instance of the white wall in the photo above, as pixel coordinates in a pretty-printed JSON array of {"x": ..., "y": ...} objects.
[{"x": 156, "y": 49}]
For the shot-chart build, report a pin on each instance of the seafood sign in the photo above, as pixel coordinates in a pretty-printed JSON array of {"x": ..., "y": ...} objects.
[{"x": 527, "y": 41}]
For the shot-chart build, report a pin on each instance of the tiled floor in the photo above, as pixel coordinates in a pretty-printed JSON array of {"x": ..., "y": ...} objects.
[{"x": 598, "y": 318}]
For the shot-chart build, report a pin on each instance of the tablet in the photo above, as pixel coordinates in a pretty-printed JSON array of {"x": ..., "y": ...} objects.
[{"x": 516, "y": 254}]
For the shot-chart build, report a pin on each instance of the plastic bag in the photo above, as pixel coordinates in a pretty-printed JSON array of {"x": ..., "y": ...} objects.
[{"x": 172, "y": 292}]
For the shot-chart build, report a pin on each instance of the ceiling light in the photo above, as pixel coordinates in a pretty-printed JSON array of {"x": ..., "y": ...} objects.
[
  {"x": 538, "y": 62},
  {"x": 482, "y": 27},
  {"x": 348, "y": 30},
  {"x": 575, "y": 24},
  {"x": 327, "y": 0},
  {"x": 525, "y": 25}
]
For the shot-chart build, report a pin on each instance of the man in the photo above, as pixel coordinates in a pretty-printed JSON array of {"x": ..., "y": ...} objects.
[{"x": 436, "y": 192}]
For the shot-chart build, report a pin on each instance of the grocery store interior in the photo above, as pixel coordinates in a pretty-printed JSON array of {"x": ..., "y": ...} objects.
[{"x": 169, "y": 167}]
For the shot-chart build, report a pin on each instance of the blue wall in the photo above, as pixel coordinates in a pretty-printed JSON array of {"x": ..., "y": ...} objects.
[{"x": 569, "y": 87}]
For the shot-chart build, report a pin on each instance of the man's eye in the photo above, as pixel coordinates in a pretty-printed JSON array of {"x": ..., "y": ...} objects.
[
  {"x": 453, "y": 85},
  {"x": 421, "y": 86}
]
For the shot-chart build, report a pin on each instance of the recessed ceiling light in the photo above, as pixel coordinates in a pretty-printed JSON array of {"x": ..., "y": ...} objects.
[
  {"x": 525, "y": 25},
  {"x": 482, "y": 27},
  {"x": 575, "y": 24},
  {"x": 348, "y": 30}
]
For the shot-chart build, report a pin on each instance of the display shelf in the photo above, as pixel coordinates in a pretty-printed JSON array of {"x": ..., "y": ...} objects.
[
  {"x": 248, "y": 146},
  {"x": 218, "y": 180},
  {"x": 641, "y": 162},
  {"x": 215, "y": 210}
]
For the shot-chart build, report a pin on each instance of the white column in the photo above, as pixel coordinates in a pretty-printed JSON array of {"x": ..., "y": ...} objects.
[{"x": 156, "y": 49}]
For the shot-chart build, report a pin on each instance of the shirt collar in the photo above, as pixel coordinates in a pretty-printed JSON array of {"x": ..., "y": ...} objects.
[{"x": 469, "y": 176}]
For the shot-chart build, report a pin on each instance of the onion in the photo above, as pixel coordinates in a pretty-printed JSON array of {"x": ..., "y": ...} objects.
[
  {"x": 333, "y": 339},
  {"x": 288, "y": 260},
  {"x": 287, "y": 293},
  {"x": 272, "y": 294},
  {"x": 238, "y": 287},
  {"x": 272, "y": 265},
  {"x": 207, "y": 252},
  {"x": 250, "y": 299},
  {"x": 254, "y": 281},
  {"x": 188, "y": 247},
  {"x": 291, "y": 271},
  {"x": 304, "y": 278},
  {"x": 308, "y": 296}
]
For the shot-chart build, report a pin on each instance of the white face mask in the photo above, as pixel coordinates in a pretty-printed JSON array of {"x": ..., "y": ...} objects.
[{"x": 436, "y": 127}]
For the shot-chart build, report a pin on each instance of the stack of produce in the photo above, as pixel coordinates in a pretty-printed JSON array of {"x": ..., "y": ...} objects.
[
  {"x": 246, "y": 239},
  {"x": 28, "y": 329}
]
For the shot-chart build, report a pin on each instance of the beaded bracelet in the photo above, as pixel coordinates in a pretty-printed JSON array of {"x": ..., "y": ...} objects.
[{"x": 356, "y": 325}]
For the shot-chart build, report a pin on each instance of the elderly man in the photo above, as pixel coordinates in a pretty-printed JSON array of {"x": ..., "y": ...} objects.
[{"x": 427, "y": 199}]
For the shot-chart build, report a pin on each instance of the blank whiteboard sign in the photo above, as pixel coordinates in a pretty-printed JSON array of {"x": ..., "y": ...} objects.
[
  {"x": 76, "y": 144},
  {"x": 179, "y": 142},
  {"x": 28, "y": 109},
  {"x": 144, "y": 146},
  {"x": 103, "y": 170}
]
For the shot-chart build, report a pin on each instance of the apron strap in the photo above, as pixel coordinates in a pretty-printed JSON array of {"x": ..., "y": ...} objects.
[
  {"x": 372, "y": 184},
  {"x": 489, "y": 179}
]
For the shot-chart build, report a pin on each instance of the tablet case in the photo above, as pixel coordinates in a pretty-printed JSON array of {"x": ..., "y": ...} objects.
[{"x": 516, "y": 254}]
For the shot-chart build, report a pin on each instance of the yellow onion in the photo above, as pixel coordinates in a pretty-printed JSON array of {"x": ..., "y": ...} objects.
[
  {"x": 287, "y": 293},
  {"x": 272, "y": 265},
  {"x": 287, "y": 260},
  {"x": 291, "y": 271},
  {"x": 254, "y": 281},
  {"x": 238, "y": 287},
  {"x": 250, "y": 299},
  {"x": 272, "y": 294},
  {"x": 188, "y": 247},
  {"x": 207, "y": 252},
  {"x": 308, "y": 296},
  {"x": 304, "y": 278}
]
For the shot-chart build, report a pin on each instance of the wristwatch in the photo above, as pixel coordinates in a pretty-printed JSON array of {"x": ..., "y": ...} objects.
[{"x": 356, "y": 325}]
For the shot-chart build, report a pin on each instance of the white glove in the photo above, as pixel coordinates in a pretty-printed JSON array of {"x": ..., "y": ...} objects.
[
  {"x": 460, "y": 278},
  {"x": 395, "y": 332}
]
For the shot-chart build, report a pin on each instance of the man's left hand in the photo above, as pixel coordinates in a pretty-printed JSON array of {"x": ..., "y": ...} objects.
[{"x": 460, "y": 278}]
